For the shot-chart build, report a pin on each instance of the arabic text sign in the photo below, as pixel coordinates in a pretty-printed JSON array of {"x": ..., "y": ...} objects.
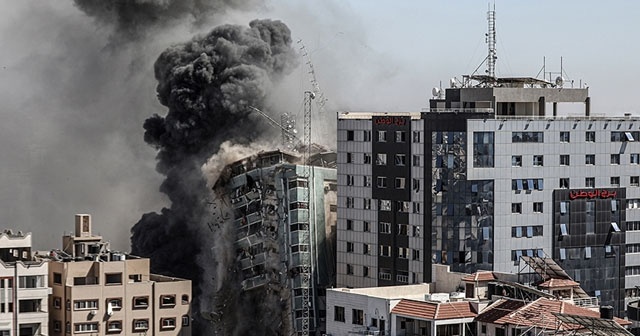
[{"x": 595, "y": 193}]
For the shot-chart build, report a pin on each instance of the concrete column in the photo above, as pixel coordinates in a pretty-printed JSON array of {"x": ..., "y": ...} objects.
[
  {"x": 541, "y": 106},
  {"x": 587, "y": 106}
]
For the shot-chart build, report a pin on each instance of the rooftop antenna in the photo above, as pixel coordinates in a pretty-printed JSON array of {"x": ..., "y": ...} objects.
[{"x": 491, "y": 41}]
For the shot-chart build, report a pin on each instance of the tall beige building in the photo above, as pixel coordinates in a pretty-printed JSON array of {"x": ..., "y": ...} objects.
[
  {"x": 100, "y": 292},
  {"x": 24, "y": 281}
]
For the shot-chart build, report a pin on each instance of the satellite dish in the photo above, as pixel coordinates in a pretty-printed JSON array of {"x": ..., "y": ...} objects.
[
  {"x": 559, "y": 81},
  {"x": 435, "y": 91}
]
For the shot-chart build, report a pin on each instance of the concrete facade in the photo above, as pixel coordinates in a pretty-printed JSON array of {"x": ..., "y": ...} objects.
[
  {"x": 101, "y": 292},
  {"x": 24, "y": 289}
]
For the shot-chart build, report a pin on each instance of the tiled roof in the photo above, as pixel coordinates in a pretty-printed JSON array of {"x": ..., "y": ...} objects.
[
  {"x": 434, "y": 311},
  {"x": 480, "y": 276},
  {"x": 537, "y": 313},
  {"x": 557, "y": 283}
]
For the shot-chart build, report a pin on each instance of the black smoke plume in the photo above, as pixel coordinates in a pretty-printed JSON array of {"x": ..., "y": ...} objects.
[
  {"x": 133, "y": 18},
  {"x": 207, "y": 84}
]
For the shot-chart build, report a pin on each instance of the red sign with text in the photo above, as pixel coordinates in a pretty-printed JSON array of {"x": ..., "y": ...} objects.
[
  {"x": 399, "y": 121},
  {"x": 594, "y": 193}
]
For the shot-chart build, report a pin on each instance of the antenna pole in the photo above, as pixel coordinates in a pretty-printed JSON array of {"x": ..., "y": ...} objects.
[{"x": 491, "y": 41}]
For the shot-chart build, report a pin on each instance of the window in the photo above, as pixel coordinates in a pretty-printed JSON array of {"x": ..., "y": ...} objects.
[
  {"x": 564, "y": 207},
  {"x": 538, "y": 161},
  {"x": 400, "y": 182},
  {"x": 537, "y": 206},
  {"x": 338, "y": 314},
  {"x": 382, "y": 136},
  {"x": 113, "y": 278},
  {"x": 57, "y": 302},
  {"x": 366, "y": 248},
  {"x": 357, "y": 316},
  {"x": 516, "y": 161},
  {"x": 403, "y": 229},
  {"x": 167, "y": 301},
  {"x": 403, "y": 206},
  {"x": 141, "y": 302},
  {"x": 416, "y": 184},
  {"x": 384, "y": 205},
  {"x": 366, "y": 203},
  {"x": 416, "y": 231},
  {"x": 634, "y": 158},
  {"x": 634, "y": 181},
  {"x": 615, "y": 181},
  {"x": 115, "y": 303},
  {"x": 349, "y": 225},
  {"x": 527, "y": 137},
  {"x": 366, "y": 159},
  {"x": 403, "y": 253},
  {"x": 114, "y": 326},
  {"x": 416, "y": 136},
  {"x": 57, "y": 326},
  {"x": 564, "y": 160},
  {"x": 590, "y": 159},
  {"x": 590, "y": 216},
  {"x": 57, "y": 278},
  {"x": 31, "y": 281},
  {"x": 416, "y": 255},
  {"x": 365, "y": 226},
  {"x": 349, "y": 247},
  {"x": 350, "y": 202},
  {"x": 590, "y": 182},
  {"x": 185, "y": 299},
  {"x": 385, "y": 227},
  {"x": 385, "y": 250},
  {"x": 609, "y": 251},
  {"x": 366, "y": 135},
  {"x": 401, "y": 136},
  {"x": 365, "y": 271},
  {"x": 349, "y": 269},
  {"x": 185, "y": 320},
  {"x": 564, "y": 136},
  {"x": 86, "y": 327},
  {"x": 381, "y": 159},
  {"x": 564, "y": 182},
  {"x": 516, "y": 208},
  {"x": 140, "y": 324},
  {"x": 135, "y": 278},
  {"x": 400, "y": 159},
  {"x": 563, "y": 230},
  {"x": 349, "y": 158},
  {"x": 416, "y": 207},
  {"x": 590, "y": 136},
  {"x": 85, "y": 304},
  {"x": 416, "y": 161},
  {"x": 563, "y": 254},
  {"x": 350, "y": 135},
  {"x": 483, "y": 149},
  {"x": 366, "y": 181},
  {"x": 615, "y": 159},
  {"x": 381, "y": 182}
]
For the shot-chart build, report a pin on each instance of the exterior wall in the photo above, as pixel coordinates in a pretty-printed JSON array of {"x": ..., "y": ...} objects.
[
  {"x": 372, "y": 307},
  {"x": 66, "y": 310},
  {"x": 368, "y": 254},
  {"x": 12, "y": 289}
]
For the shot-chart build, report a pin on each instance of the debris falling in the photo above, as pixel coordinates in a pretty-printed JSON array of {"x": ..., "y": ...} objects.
[{"x": 208, "y": 85}]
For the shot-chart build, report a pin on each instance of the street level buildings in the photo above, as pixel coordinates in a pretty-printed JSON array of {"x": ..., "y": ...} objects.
[{"x": 491, "y": 171}]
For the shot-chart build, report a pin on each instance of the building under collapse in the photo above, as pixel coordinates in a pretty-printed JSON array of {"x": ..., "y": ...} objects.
[{"x": 283, "y": 217}]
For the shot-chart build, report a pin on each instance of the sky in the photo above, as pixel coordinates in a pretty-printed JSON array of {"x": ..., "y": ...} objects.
[{"x": 73, "y": 98}]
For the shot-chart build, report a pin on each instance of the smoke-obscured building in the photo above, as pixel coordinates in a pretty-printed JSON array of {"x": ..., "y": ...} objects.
[
  {"x": 23, "y": 287},
  {"x": 282, "y": 218},
  {"x": 100, "y": 292},
  {"x": 489, "y": 173}
]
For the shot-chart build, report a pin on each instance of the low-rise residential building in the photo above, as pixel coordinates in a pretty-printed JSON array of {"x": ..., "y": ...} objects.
[
  {"x": 102, "y": 292},
  {"x": 23, "y": 287}
]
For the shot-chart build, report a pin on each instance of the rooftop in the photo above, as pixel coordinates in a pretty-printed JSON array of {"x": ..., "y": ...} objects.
[{"x": 434, "y": 310}]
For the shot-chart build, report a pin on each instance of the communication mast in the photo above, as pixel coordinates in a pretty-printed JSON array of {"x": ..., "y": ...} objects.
[
  {"x": 321, "y": 99},
  {"x": 491, "y": 42}
]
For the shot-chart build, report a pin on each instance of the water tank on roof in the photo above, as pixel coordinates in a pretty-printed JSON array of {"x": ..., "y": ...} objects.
[{"x": 606, "y": 312}]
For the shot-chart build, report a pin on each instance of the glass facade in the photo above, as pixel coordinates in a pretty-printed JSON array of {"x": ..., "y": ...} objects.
[{"x": 462, "y": 211}]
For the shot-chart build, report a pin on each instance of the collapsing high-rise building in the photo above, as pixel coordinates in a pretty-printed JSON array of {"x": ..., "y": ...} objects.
[{"x": 281, "y": 215}]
